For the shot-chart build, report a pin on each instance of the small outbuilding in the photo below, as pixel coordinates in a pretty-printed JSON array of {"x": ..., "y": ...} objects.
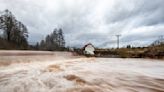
[{"x": 88, "y": 49}]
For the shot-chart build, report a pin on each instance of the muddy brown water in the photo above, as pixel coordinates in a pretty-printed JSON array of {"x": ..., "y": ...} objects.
[{"x": 62, "y": 72}]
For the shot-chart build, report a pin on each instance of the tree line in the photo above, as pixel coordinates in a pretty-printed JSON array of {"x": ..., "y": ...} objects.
[
  {"x": 14, "y": 35},
  {"x": 52, "y": 42},
  {"x": 13, "y": 31}
]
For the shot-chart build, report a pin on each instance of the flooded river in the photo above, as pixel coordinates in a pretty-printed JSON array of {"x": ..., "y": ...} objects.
[{"x": 62, "y": 72}]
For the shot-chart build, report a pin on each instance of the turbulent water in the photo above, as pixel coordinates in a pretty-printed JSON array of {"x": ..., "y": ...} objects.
[{"x": 62, "y": 72}]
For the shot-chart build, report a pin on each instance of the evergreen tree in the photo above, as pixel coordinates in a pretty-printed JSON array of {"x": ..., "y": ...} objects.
[
  {"x": 13, "y": 30},
  {"x": 7, "y": 23},
  {"x": 42, "y": 45},
  {"x": 53, "y": 41},
  {"x": 61, "y": 38}
]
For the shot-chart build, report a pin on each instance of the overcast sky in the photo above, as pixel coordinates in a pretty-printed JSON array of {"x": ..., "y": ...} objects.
[{"x": 139, "y": 22}]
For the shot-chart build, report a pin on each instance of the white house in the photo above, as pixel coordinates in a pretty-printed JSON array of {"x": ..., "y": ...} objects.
[{"x": 89, "y": 49}]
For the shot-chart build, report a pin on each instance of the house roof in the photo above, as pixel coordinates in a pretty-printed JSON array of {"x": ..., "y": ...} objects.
[{"x": 87, "y": 45}]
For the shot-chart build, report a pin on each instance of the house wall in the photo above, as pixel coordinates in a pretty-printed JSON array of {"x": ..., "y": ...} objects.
[{"x": 89, "y": 50}]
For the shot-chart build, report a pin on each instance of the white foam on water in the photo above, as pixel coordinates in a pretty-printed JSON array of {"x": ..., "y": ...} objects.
[{"x": 83, "y": 75}]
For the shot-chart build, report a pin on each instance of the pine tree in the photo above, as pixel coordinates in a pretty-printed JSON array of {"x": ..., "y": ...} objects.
[
  {"x": 61, "y": 38},
  {"x": 42, "y": 45},
  {"x": 7, "y": 23},
  {"x": 13, "y": 30},
  {"x": 53, "y": 41}
]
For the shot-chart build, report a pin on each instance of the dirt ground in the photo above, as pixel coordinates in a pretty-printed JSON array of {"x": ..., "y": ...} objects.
[{"x": 33, "y": 71}]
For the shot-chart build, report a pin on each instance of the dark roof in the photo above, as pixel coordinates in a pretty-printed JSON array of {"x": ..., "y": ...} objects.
[{"x": 87, "y": 45}]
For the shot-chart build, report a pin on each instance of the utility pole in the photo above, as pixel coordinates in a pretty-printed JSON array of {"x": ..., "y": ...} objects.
[
  {"x": 118, "y": 36},
  {"x": 161, "y": 37}
]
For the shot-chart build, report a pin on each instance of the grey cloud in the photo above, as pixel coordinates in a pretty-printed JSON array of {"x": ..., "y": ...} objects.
[
  {"x": 122, "y": 12},
  {"x": 98, "y": 21}
]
